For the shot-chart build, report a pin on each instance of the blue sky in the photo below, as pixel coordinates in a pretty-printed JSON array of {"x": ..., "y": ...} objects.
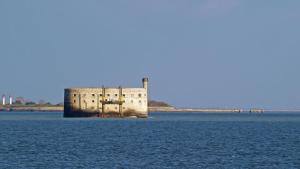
[{"x": 197, "y": 53}]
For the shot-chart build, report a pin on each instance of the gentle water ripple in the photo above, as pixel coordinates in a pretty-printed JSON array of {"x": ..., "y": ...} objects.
[{"x": 46, "y": 140}]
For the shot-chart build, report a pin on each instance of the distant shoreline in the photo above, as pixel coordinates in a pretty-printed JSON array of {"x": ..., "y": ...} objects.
[
  {"x": 216, "y": 110},
  {"x": 42, "y": 108},
  {"x": 50, "y": 108}
]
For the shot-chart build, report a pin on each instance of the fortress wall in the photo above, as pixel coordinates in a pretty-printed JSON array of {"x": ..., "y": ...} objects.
[
  {"x": 81, "y": 99},
  {"x": 136, "y": 99},
  {"x": 88, "y": 100}
]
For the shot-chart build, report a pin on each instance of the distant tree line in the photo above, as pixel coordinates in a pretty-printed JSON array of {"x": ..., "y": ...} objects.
[
  {"x": 153, "y": 103},
  {"x": 22, "y": 101}
]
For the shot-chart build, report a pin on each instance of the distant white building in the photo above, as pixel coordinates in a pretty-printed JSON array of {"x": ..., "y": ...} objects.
[
  {"x": 10, "y": 100},
  {"x": 3, "y": 100}
]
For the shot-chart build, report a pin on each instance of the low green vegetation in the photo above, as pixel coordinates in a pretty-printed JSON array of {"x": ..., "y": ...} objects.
[{"x": 153, "y": 103}]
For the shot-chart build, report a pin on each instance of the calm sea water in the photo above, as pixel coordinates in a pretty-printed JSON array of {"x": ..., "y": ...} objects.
[{"x": 179, "y": 140}]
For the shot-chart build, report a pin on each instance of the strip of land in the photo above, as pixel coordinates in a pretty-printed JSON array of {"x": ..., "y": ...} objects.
[
  {"x": 54, "y": 108},
  {"x": 173, "y": 109},
  {"x": 44, "y": 108},
  {"x": 25, "y": 108}
]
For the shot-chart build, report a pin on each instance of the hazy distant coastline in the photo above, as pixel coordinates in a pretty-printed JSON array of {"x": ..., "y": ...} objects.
[
  {"x": 56, "y": 108},
  {"x": 46, "y": 108}
]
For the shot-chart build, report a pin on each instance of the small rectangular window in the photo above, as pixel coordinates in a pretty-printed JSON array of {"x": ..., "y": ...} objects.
[
  {"x": 140, "y": 95},
  {"x": 108, "y": 95},
  {"x": 93, "y": 95},
  {"x": 116, "y": 95},
  {"x": 101, "y": 95},
  {"x": 124, "y": 95},
  {"x": 116, "y": 108},
  {"x": 93, "y": 101},
  {"x": 74, "y": 95},
  {"x": 74, "y": 101}
]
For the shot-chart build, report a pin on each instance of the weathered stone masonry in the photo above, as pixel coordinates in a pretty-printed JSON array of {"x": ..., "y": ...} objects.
[{"x": 106, "y": 102}]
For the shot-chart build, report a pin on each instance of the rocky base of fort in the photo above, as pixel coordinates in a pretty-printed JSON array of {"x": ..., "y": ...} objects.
[{"x": 74, "y": 114}]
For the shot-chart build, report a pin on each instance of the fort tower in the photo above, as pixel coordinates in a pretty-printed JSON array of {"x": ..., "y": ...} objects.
[{"x": 145, "y": 83}]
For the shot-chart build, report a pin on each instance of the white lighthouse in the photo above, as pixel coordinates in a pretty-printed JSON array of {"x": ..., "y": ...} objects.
[
  {"x": 3, "y": 100},
  {"x": 10, "y": 100}
]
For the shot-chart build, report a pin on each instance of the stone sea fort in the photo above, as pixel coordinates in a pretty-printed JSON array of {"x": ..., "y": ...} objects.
[{"x": 107, "y": 102}]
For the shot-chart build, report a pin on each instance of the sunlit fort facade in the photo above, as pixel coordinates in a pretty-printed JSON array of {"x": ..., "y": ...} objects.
[{"x": 107, "y": 102}]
